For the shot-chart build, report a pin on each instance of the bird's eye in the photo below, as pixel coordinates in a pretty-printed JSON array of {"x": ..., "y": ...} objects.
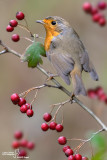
[{"x": 53, "y": 22}]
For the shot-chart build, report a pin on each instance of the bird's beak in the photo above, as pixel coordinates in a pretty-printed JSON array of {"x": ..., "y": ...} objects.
[{"x": 40, "y": 21}]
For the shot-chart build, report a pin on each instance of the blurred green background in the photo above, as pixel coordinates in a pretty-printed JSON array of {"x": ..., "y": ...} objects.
[{"x": 17, "y": 77}]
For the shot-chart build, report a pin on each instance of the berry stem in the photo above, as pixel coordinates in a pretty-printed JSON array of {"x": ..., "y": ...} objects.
[
  {"x": 25, "y": 28},
  {"x": 54, "y": 118},
  {"x": 62, "y": 118},
  {"x": 34, "y": 97},
  {"x": 60, "y": 105},
  {"x": 26, "y": 39},
  {"x": 83, "y": 141},
  {"x": 26, "y": 22},
  {"x": 34, "y": 88},
  {"x": 31, "y": 89}
]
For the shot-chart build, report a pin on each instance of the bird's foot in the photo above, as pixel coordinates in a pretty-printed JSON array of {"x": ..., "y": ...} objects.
[{"x": 71, "y": 98}]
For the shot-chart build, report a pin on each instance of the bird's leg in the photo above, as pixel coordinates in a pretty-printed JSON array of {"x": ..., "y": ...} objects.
[
  {"x": 72, "y": 96},
  {"x": 77, "y": 82}
]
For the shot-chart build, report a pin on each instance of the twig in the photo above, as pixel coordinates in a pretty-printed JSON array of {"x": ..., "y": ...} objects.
[
  {"x": 25, "y": 28},
  {"x": 60, "y": 106},
  {"x": 9, "y": 50},
  {"x": 34, "y": 97},
  {"x": 2, "y": 52},
  {"x": 61, "y": 88},
  {"x": 83, "y": 141},
  {"x": 26, "y": 39},
  {"x": 31, "y": 89},
  {"x": 34, "y": 88}
]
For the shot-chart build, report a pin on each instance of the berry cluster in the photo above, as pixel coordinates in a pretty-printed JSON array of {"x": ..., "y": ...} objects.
[
  {"x": 22, "y": 144},
  {"x": 53, "y": 125},
  {"x": 24, "y": 107},
  {"x": 14, "y": 23},
  {"x": 96, "y": 12},
  {"x": 97, "y": 93},
  {"x": 68, "y": 151}
]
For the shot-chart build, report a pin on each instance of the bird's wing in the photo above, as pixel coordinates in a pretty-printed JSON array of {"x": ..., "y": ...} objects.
[
  {"x": 83, "y": 55},
  {"x": 62, "y": 62}
]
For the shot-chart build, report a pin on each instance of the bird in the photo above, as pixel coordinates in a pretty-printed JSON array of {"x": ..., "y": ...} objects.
[{"x": 67, "y": 53}]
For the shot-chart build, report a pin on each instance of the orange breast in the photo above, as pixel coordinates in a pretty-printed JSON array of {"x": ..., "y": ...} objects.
[{"x": 49, "y": 37}]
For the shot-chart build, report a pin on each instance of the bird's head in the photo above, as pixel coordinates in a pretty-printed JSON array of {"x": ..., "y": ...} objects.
[{"x": 54, "y": 24}]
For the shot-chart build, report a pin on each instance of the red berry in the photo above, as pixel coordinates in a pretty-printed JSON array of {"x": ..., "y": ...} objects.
[
  {"x": 15, "y": 98},
  {"x": 20, "y": 15},
  {"x": 29, "y": 106},
  {"x": 102, "y": 5},
  {"x": 96, "y": 17},
  {"x": 23, "y": 108},
  {"x": 99, "y": 91},
  {"x": 62, "y": 140},
  {"x": 47, "y": 117},
  {"x": 78, "y": 157},
  {"x": 13, "y": 23},
  {"x": 44, "y": 126},
  {"x": 9, "y": 28},
  {"x": 59, "y": 127},
  {"x": 85, "y": 158},
  {"x": 102, "y": 21},
  {"x": 21, "y": 101},
  {"x": 23, "y": 143},
  {"x": 65, "y": 148},
  {"x": 22, "y": 153},
  {"x": 91, "y": 94},
  {"x": 15, "y": 144},
  {"x": 103, "y": 97},
  {"x": 30, "y": 145},
  {"x": 18, "y": 134},
  {"x": 71, "y": 157},
  {"x": 52, "y": 125},
  {"x": 69, "y": 152},
  {"x": 94, "y": 10},
  {"x": 87, "y": 7},
  {"x": 15, "y": 37},
  {"x": 106, "y": 100},
  {"x": 29, "y": 112}
]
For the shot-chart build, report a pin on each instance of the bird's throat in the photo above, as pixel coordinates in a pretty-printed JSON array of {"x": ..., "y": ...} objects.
[{"x": 50, "y": 34}]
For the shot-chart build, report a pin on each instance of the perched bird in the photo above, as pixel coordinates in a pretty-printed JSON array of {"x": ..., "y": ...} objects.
[{"x": 67, "y": 53}]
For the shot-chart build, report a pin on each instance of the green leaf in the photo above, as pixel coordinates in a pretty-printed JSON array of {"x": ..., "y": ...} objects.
[
  {"x": 99, "y": 142},
  {"x": 33, "y": 54},
  {"x": 98, "y": 156}
]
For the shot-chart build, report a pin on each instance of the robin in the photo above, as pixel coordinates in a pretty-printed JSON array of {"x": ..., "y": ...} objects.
[{"x": 67, "y": 53}]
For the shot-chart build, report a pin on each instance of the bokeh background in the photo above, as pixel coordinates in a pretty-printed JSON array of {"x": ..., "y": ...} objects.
[{"x": 17, "y": 77}]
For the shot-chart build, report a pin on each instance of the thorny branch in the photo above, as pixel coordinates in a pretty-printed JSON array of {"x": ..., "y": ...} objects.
[{"x": 59, "y": 86}]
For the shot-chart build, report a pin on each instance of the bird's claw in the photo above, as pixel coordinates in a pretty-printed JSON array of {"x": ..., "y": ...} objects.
[{"x": 71, "y": 98}]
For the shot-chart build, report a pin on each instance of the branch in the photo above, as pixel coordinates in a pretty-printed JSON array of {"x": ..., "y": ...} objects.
[
  {"x": 7, "y": 49},
  {"x": 59, "y": 86},
  {"x": 74, "y": 98},
  {"x": 37, "y": 87},
  {"x": 4, "y": 51}
]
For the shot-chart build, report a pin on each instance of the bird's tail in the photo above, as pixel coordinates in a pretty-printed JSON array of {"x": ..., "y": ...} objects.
[
  {"x": 77, "y": 83},
  {"x": 93, "y": 72}
]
